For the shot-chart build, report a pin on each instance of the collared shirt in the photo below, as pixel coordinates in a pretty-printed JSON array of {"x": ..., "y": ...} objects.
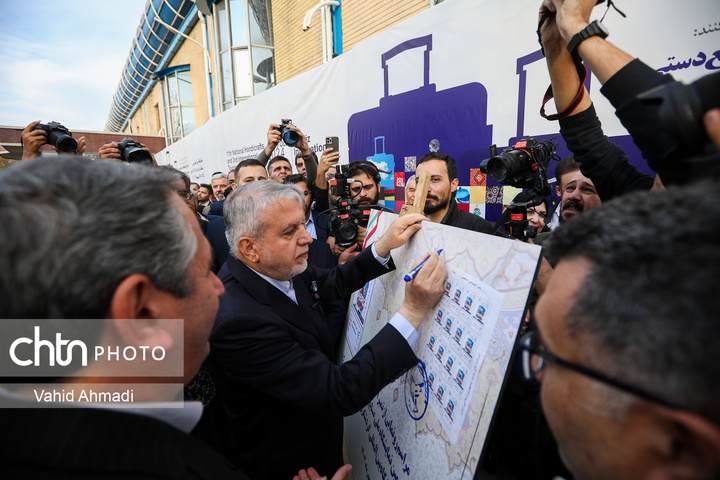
[
  {"x": 310, "y": 227},
  {"x": 398, "y": 321}
]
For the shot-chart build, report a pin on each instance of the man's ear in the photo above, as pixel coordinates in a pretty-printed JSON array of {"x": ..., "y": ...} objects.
[
  {"x": 670, "y": 443},
  {"x": 136, "y": 308},
  {"x": 557, "y": 190},
  {"x": 248, "y": 248},
  {"x": 454, "y": 185}
]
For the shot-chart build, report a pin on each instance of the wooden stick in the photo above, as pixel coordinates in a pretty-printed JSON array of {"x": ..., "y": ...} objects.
[{"x": 422, "y": 181}]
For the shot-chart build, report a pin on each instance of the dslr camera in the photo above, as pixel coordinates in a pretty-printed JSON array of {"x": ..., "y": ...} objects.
[
  {"x": 132, "y": 152},
  {"x": 58, "y": 136},
  {"x": 523, "y": 165},
  {"x": 290, "y": 137},
  {"x": 347, "y": 215},
  {"x": 680, "y": 110}
]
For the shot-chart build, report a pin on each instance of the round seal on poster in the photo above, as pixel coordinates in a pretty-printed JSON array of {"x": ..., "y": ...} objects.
[{"x": 417, "y": 391}]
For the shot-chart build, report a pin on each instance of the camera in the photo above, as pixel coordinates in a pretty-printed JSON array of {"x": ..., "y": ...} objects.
[
  {"x": 290, "y": 137},
  {"x": 524, "y": 165},
  {"x": 680, "y": 111},
  {"x": 347, "y": 215},
  {"x": 132, "y": 152},
  {"x": 58, "y": 136}
]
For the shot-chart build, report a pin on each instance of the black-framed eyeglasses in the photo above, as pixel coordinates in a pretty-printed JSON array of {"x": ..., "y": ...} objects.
[
  {"x": 534, "y": 355},
  {"x": 185, "y": 194}
]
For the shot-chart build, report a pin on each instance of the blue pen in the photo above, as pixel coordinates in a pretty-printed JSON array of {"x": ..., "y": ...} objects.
[{"x": 413, "y": 273}]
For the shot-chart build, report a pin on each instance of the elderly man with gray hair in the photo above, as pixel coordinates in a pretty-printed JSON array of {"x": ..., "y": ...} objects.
[{"x": 281, "y": 398}]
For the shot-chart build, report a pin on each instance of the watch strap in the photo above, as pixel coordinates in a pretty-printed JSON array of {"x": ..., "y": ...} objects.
[{"x": 596, "y": 28}]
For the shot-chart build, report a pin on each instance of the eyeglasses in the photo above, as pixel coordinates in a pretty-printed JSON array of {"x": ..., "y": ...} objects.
[
  {"x": 534, "y": 356},
  {"x": 185, "y": 194}
]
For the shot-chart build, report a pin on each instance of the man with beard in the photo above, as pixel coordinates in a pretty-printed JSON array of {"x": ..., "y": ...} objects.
[
  {"x": 364, "y": 182},
  {"x": 577, "y": 192},
  {"x": 440, "y": 206},
  {"x": 203, "y": 196},
  {"x": 365, "y": 186},
  {"x": 577, "y": 195}
]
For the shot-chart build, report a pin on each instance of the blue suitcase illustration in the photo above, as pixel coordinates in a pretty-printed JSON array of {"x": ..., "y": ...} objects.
[
  {"x": 407, "y": 123},
  {"x": 386, "y": 163}
]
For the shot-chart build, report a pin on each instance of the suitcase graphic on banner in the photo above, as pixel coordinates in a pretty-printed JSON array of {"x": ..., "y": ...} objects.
[
  {"x": 386, "y": 162},
  {"x": 407, "y": 123}
]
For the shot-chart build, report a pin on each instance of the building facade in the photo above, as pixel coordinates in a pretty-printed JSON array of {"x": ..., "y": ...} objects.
[{"x": 193, "y": 60}]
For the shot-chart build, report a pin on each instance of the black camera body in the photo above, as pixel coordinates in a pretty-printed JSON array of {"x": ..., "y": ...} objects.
[
  {"x": 58, "y": 136},
  {"x": 347, "y": 216},
  {"x": 515, "y": 166},
  {"x": 290, "y": 137},
  {"x": 132, "y": 152},
  {"x": 518, "y": 226},
  {"x": 524, "y": 165},
  {"x": 680, "y": 110}
]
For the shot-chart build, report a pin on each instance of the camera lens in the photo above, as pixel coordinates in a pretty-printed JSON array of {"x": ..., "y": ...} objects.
[
  {"x": 508, "y": 165},
  {"x": 290, "y": 137},
  {"x": 65, "y": 143},
  {"x": 497, "y": 169},
  {"x": 136, "y": 155},
  {"x": 347, "y": 234}
]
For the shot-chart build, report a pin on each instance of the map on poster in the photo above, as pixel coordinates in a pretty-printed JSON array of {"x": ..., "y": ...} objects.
[{"x": 432, "y": 421}]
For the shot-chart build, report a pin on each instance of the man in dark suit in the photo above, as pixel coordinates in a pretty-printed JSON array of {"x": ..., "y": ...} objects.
[
  {"x": 280, "y": 397},
  {"x": 124, "y": 248}
]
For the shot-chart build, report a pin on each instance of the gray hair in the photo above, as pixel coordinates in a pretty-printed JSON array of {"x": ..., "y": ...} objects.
[
  {"x": 647, "y": 311},
  {"x": 244, "y": 211},
  {"x": 74, "y": 228}
]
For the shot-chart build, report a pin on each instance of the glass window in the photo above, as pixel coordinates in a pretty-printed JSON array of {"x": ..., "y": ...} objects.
[
  {"x": 185, "y": 89},
  {"x": 238, "y": 23},
  {"x": 179, "y": 110},
  {"x": 260, "y": 24},
  {"x": 243, "y": 79},
  {"x": 172, "y": 94},
  {"x": 226, "y": 77},
  {"x": 263, "y": 74},
  {"x": 222, "y": 26},
  {"x": 245, "y": 49}
]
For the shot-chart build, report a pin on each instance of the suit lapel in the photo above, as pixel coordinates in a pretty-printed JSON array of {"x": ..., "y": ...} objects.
[
  {"x": 310, "y": 307},
  {"x": 303, "y": 315}
]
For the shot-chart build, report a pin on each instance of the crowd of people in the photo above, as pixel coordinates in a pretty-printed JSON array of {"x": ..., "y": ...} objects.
[{"x": 618, "y": 338}]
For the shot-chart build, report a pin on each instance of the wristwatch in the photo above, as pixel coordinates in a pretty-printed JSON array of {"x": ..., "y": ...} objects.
[{"x": 595, "y": 28}]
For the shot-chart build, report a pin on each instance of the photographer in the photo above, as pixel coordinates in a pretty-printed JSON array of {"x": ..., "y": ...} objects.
[
  {"x": 623, "y": 79},
  {"x": 274, "y": 136},
  {"x": 364, "y": 188},
  {"x": 604, "y": 162},
  {"x": 33, "y": 138}
]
